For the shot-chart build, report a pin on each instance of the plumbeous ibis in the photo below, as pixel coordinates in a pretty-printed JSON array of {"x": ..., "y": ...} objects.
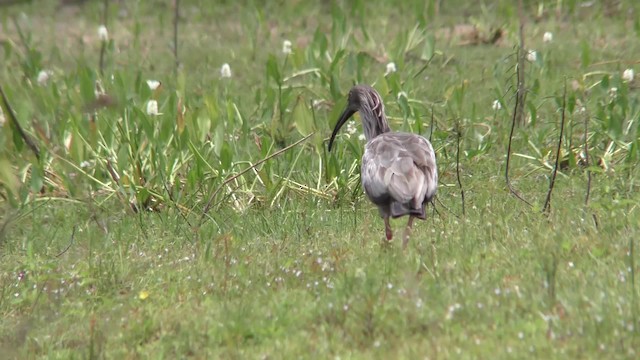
[{"x": 398, "y": 171}]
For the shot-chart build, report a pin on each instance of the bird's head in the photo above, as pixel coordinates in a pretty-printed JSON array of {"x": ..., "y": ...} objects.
[{"x": 367, "y": 101}]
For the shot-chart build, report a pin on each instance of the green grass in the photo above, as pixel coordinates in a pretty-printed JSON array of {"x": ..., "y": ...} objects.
[{"x": 106, "y": 250}]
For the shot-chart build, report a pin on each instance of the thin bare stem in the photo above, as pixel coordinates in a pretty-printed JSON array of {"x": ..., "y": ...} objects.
[
  {"x": 547, "y": 202},
  {"x": 586, "y": 157},
  {"x": 587, "y": 163},
  {"x": 11, "y": 115},
  {"x": 232, "y": 178},
  {"x": 513, "y": 126},
  {"x": 459, "y": 135},
  {"x": 431, "y": 130},
  {"x": 522, "y": 53},
  {"x": 73, "y": 235}
]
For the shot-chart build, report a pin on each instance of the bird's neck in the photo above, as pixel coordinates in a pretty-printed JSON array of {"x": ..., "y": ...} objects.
[{"x": 378, "y": 126}]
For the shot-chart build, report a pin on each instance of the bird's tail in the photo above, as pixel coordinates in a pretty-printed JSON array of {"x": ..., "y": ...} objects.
[{"x": 400, "y": 209}]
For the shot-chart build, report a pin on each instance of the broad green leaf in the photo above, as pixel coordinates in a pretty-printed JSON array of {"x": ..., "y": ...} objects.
[
  {"x": 302, "y": 117},
  {"x": 218, "y": 139},
  {"x": 226, "y": 156},
  {"x": 273, "y": 71},
  {"x": 37, "y": 178}
]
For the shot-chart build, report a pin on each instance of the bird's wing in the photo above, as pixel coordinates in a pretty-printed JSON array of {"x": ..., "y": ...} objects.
[{"x": 399, "y": 167}]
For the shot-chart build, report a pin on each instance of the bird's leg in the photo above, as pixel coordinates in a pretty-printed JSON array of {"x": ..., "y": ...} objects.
[
  {"x": 407, "y": 232},
  {"x": 387, "y": 228}
]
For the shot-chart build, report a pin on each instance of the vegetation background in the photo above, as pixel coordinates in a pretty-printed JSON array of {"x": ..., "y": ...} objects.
[{"x": 156, "y": 202}]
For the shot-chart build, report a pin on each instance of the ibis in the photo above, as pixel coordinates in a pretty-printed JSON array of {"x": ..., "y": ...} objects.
[{"x": 398, "y": 170}]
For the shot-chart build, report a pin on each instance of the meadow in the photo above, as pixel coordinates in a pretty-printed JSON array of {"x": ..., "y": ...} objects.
[{"x": 166, "y": 189}]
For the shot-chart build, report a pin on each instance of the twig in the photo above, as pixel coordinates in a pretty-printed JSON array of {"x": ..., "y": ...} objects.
[
  {"x": 586, "y": 156},
  {"x": 458, "y": 167},
  {"x": 73, "y": 235},
  {"x": 587, "y": 163},
  {"x": 176, "y": 18},
  {"x": 230, "y": 179},
  {"x": 16, "y": 125},
  {"x": 522, "y": 53},
  {"x": 547, "y": 202},
  {"x": 423, "y": 68},
  {"x": 431, "y": 130},
  {"x": 632, "y": 269},
  {"x": 433, "y": 202},
  {"x": 513, "y": 126},
  {"x": 520, "y": 99}
]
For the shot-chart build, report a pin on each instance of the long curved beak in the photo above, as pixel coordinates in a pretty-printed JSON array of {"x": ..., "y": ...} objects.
[{"x": 346, "y": 114}]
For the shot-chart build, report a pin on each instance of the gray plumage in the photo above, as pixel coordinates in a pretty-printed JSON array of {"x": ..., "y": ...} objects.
[{"x": 398, "y": 172}]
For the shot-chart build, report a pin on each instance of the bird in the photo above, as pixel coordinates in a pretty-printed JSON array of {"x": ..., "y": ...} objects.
[{"x": 398, "y": 170}]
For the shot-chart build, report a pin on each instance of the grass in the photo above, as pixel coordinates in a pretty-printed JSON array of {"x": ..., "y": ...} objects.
[{"x": 107, "y": 251}]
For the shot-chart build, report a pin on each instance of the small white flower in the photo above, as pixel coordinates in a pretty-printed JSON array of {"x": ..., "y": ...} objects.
[
  {"x": 351, "y": 128},
  {"x": 547, "y": 37},
  {"x": 43, "y": 77},
  {"x": 103, "y": 33},
  {"x": 496, "y": 105},
  {"x": 85, "y": 164},
  {"x": 98, "y": 89},
  {"x": 2, "y": 118},
  {"x": 613, "y": 92},
  {"x": 361, "y": 137},
  {"x": 532, "y": 55},
  {"x": 286, "y": 47},
  {"x": 628, "y": 75},
  {"x": 225, "y": 71},
  {"x": 152, "y": 108},
  {"x": 153, "y": 84},
  {"x": 391, "y": 68}
]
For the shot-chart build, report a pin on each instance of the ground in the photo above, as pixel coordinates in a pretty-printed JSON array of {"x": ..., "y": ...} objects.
[{"x": 210, "y": 230}]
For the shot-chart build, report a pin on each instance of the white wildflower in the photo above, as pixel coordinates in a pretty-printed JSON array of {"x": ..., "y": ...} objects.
[
  {"x": 286, "y": 47},
  {"x": 152, "y": 108},
  {"x": 496, "y": 105},
  {"x": 153, "y": 84},
  {"x": 2, "y": 118},
  {"x": 225, "y": 71},
  {"x": 628, "y": 75},
  {"x": 351, "y": 128},
  {"x": 391, "y": 68},
  {"x": 43, "y": 77},
  {"x": 361, "y": 137},
  {"x": 103, "y": 33},
  {"x": 532, "y": 55},
  {"x": 98, "y": 89},
  {"x": 613, "y": 92},
  {"x": 85, "y": 164},
  {"x": 547, "y": 37}
]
